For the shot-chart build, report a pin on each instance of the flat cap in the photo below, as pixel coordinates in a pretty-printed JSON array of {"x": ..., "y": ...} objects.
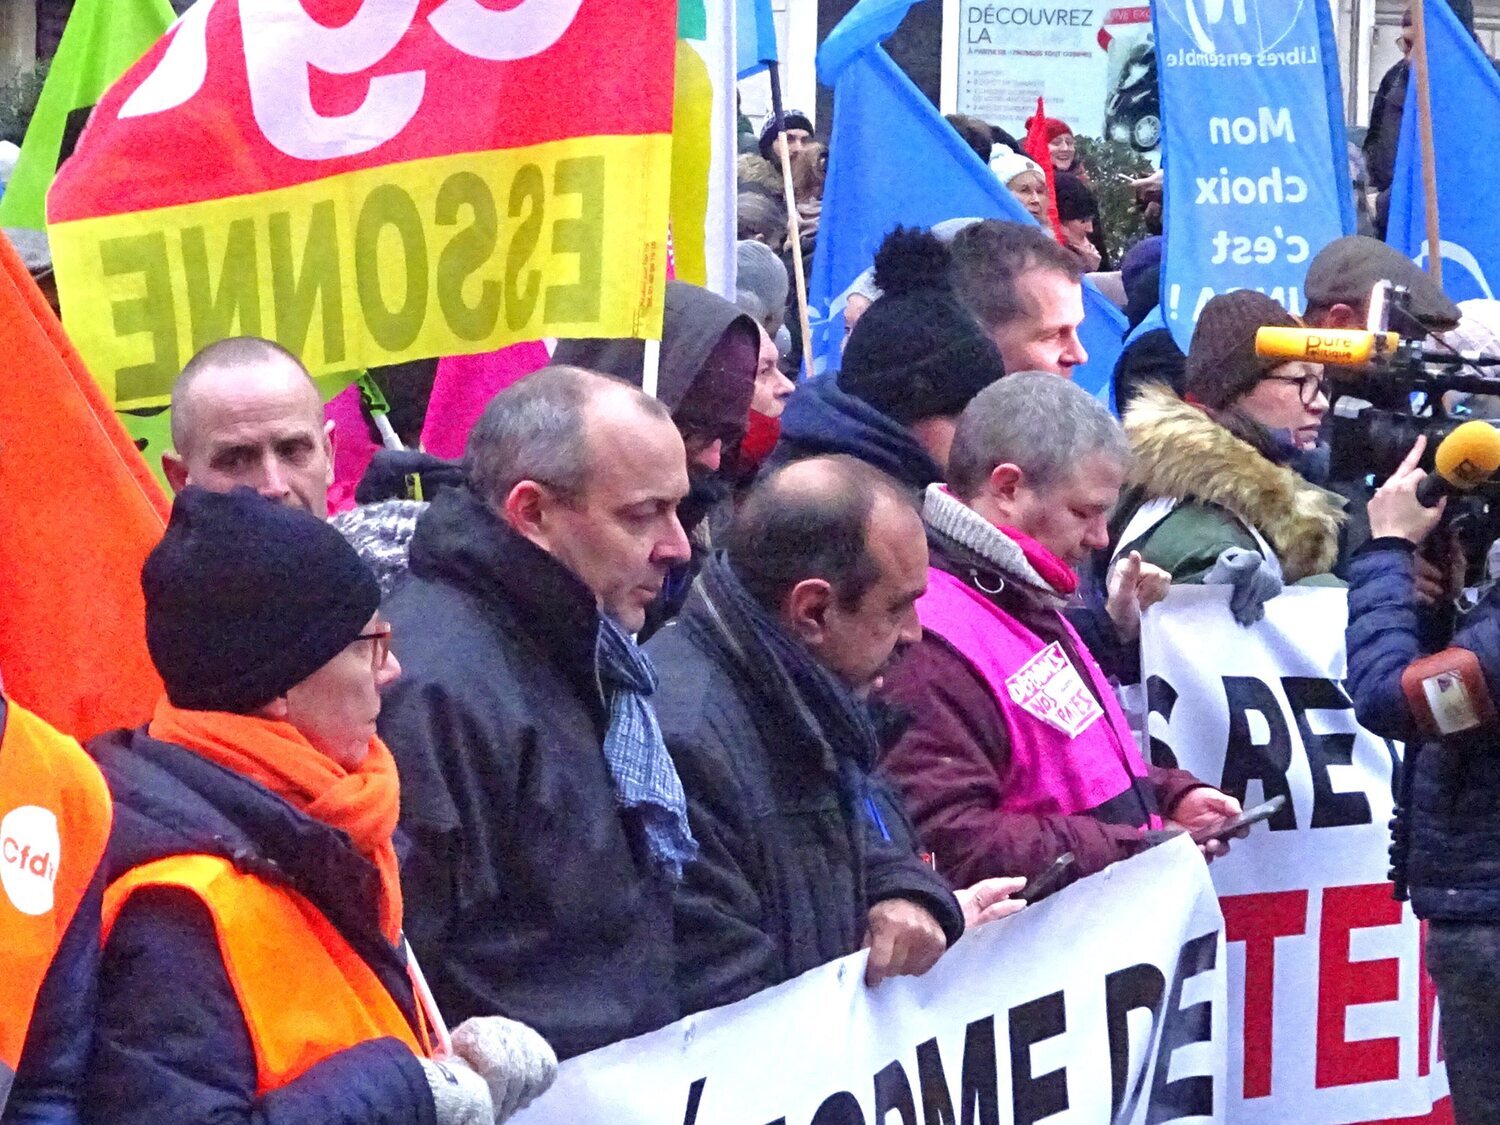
[{"x": 1346, "y": 270}]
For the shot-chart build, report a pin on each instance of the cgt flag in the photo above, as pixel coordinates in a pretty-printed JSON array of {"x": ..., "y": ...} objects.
[
  {"x": 893, "y": 160},
  {"x": 1465, "y": 132},
  {"x": 369, "y": 183}
]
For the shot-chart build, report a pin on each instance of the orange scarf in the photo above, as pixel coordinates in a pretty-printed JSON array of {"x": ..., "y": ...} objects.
[{"x": 363, "y": 802}]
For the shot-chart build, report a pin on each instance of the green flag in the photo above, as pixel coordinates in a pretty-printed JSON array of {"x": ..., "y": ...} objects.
[{"x": 101, "y": 42}]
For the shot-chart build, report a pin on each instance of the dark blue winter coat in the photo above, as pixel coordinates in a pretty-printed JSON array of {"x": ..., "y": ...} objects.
[
  {"x": 1454, "y": 864},
  {"x": 172, "y": 1044},
  {"x": 820, "y": 418}
]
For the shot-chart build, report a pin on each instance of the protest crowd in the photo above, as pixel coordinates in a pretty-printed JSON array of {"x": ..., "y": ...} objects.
[{"x": 708, "y": 655}]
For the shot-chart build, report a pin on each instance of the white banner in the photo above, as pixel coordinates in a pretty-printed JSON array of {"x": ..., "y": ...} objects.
[
  {"x": 1331, "y": 1017},
  {"x": 1091, "y": 60},
  {"x": 1099, "y": 1004}
]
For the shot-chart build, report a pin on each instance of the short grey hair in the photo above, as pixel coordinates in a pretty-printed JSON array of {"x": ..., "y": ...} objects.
[
  {"x": 536, "y": 429},
  {"x": 1040, "y": 423}
]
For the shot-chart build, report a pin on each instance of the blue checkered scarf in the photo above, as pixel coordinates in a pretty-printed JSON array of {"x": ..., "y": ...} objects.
[{"x": 643, "y": 773}]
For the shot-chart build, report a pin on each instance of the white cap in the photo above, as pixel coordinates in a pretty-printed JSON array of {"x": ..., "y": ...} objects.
[{"x": 1007, "y": 164}]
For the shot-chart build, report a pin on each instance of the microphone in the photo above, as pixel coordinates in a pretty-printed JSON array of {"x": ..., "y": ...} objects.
[
  {"x": 1464, "y": 460},
  {"x": 1342, "y": 347}
]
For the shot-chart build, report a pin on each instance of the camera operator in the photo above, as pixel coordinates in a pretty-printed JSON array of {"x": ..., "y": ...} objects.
[
  {"x": 1338, "y": 288},
  {"x": 1446, "y": 846}
]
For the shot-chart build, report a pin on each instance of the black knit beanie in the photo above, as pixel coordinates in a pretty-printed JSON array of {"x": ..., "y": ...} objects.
[
  {"x": 791, "y": 119},
  {"x": 246, "y": 598},
  {"x": 1221, "y": 362},
  {"x": 917, "y": 353}
]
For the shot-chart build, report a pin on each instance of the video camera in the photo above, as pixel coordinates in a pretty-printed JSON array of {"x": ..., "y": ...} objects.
[{"x": 1405, "y": 389}]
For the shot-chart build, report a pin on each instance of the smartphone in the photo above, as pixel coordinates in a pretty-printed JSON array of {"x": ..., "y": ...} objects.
[
  {"x": 1047, "y": 880},
  {"x": 1232, "y": 824}
]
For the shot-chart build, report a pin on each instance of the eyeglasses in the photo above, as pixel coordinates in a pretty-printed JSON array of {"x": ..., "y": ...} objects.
[
  {"x": 380, "y": 651},
  {"x": 1308, "y": 386}
]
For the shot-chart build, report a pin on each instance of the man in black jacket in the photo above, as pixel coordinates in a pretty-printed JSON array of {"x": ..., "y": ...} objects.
[
  {"x": 804, "y": 858},
  {"x": 549, "y": 825}
]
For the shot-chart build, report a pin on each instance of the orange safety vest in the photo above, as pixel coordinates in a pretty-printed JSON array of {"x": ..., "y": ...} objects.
[
  {"x": 304, "y": 992},
  {"x": 54, "y": 825}
]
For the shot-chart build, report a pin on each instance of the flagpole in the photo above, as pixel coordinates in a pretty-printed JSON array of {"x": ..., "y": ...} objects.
[
  {"x": 1424, "y": 134},
  {"x": 793, "y": 221}
]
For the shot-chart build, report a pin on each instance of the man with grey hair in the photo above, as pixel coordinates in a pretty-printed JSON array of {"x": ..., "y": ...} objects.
[
  {"x": 245, "y": 412},
  {"x": 549, "y": 825},
  {"x": 1017, "y": 751}
]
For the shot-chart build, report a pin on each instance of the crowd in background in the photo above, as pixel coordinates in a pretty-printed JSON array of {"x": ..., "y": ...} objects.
[{"x": 651, "y": 703}]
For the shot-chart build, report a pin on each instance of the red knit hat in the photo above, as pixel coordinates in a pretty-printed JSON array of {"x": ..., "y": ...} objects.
[{"x": 1053, "y": 126}]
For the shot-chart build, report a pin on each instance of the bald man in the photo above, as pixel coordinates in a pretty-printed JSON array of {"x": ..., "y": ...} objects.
[
  {"x": 245, "y": 412},
  {"x": 803, "y": 856}
]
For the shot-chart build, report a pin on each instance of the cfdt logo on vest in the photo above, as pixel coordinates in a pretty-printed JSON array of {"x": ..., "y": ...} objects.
[
  {"x": 1219, "y": 26},
  {"x": 29, "y": 854}
]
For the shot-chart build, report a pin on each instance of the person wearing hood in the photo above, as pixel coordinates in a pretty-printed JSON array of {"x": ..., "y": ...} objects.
[
  {"x": 1016, "y": 751},
  {"x": 1226, "y": 486},
  {"x": 710, "y": 353},
  {"x": 254, "y": 965},
  {"x": 913, "y": 362}
]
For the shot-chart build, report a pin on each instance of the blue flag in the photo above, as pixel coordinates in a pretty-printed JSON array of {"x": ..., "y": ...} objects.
[
  {"x": 893, "y": 160},
  {"x": 1256, "y": 160},
  {"x": 754, "y": 35},
  {"x": 1465, "y": 138}
]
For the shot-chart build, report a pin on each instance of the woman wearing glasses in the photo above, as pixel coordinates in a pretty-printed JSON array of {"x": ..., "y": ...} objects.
[
  {"x": 253, "y": 964},
  {"x": 1227, "y": 484}
]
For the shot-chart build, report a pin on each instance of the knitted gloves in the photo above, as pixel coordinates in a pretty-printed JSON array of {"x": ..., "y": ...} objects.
[
  {"x": 459, "y": 1095},
  {"x": 515, "y": 1061}
]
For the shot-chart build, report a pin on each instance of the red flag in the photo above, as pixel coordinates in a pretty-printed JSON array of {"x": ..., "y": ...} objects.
[
  {"x": 1039, "y": 148},
  {"x": 81, "y": 513}
]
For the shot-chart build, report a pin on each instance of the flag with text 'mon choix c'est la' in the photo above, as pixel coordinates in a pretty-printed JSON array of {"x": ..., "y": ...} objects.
[{"x": 369, "y": 181}]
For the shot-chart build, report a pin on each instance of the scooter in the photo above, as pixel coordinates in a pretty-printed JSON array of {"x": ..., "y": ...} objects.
[{"x": 1133, "y": 111}]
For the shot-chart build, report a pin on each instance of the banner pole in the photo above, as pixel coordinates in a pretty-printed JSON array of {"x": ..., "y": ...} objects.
[
  {"x": 1424, "y": 132},
  {"x": 793, "y": 223}
]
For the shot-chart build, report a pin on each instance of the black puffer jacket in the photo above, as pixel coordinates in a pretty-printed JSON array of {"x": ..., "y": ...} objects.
[
  {"x": 171, "y": 1044},
  {"x": 797, "y": 840},
  {"x": 528, "y": 893}
]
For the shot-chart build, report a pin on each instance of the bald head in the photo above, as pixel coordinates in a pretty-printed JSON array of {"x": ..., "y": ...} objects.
[
  {"x": 245, "y": 412},
  {"x": 811, "y": 520},
  {"x": 835, "y": 550}
]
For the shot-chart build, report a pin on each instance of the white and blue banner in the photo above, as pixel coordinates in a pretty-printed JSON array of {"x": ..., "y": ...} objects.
[
  {"x": 1465, "y": 138},
  {"x": 1103, "y": 1005},
  {"x": 1257, "y": 169}
]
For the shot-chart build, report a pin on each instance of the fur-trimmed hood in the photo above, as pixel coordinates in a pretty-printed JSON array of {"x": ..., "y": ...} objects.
[{"x": 1182, "y": 453}]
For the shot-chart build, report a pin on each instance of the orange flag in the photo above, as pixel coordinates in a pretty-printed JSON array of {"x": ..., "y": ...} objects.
[
  {"x": 1039, "y": 149},
  {"x": 79, "y": 511}
]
